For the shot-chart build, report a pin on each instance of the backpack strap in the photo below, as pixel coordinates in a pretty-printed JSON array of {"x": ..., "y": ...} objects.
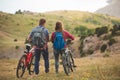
[{"x": 62, "y": 35}]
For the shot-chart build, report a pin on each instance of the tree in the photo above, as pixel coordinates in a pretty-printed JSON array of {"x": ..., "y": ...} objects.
[{"x": 18, "y": 12}]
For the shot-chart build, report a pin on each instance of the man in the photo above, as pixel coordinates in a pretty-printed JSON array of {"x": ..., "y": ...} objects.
[{"x": 38, "y": 49}]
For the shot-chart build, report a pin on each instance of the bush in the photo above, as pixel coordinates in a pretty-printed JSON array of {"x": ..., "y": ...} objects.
[
  {"x": 106, "y": 55},
  {"x": 83, "y": 31},
  {"x": 115, "y": 22},
  {"x": 90, "y": 51},
  {"x": 115, "y": 29},
  {"x": 107, "y": 37},
  {"x": 18, "y": 24},
  {"x": 103, "y": 48},
  {"x": 92, "y": 20},
  {"x": 15, "y": 40},
  {"x": 111, "y": 42},
  {"x": 18, "y": 12},
  {"x": 81, "y": 49},
  {"x": 17, "y": 47},
  {"x": 100, "y": 31},
  {"x": 82, "y": 38}
]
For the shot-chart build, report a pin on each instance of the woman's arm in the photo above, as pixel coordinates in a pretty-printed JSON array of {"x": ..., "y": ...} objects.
[
  {"x": 52, "y": 37},
  {"x": 68, "y": 35}
]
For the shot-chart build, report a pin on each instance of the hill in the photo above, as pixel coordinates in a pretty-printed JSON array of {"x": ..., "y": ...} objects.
[
  {"x": 17, "y": 26},
  {"x": 112, "y": 9}
]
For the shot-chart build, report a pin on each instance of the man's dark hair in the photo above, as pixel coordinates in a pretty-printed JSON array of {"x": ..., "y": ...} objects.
[{"x": 42, "y": 21}]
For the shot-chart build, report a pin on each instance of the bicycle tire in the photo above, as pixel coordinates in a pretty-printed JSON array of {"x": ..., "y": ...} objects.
[
  {"x": 65, "y": 64},
  {"x": 21, "y": 67},
  {"x": 71, "y": 62},
  {"x": 31, "y": 65}
]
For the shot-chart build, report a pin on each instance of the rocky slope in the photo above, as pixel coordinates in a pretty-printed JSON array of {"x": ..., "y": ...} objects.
[{"x": 112, "y": 9}]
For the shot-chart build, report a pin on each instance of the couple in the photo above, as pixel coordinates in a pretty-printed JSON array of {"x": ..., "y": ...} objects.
[{"x": 44, "y": 49}]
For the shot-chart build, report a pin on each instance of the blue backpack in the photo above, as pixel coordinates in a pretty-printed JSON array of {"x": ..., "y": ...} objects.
[{"x": 59, "y": 42}]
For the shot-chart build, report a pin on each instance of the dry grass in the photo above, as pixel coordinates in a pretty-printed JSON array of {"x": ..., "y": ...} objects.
[{"x": 96, "y": 68}]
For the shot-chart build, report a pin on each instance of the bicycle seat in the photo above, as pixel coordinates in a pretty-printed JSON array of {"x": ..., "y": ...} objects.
[{"x": 28, "y": 47}]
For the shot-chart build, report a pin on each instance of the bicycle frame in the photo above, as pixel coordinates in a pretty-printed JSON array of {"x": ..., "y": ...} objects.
[
  {"x": 68, "y": 62},
  {"x": 25, "y": 62},
  {"x": 28, "y": 57}
]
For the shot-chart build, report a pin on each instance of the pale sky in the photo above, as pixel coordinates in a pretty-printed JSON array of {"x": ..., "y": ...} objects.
[{"x": 11, "y": 6}]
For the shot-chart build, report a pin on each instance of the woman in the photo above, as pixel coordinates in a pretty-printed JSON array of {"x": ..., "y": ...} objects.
[{"x": 66, "y": 35}]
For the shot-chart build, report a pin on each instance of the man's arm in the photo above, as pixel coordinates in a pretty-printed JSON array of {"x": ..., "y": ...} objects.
[
  {"x": 47, "y": 35},
  {"x": 29, "y": 38}
]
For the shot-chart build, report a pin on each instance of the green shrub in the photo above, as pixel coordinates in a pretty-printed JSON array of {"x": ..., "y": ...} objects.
[
  {"x": 90, "y": 32},
  {"x": 106, "y": 55},
  {"x": 115, "y": 22},
  {"x": 92, "y": 20},
  {"x": 82, "y": 38},
  {"x": 90, "y": 51},
  {"x": 83, "y": 31},
  {"x": 103, "y": 48},
  {"x": 82, "y": 54},
  {"x": 107, "y": 37},
  {"x": 111, "y": 42},
  {"x": 18, "y": 12},
  {"x": 15, "y": 40},
  {"x": 17, "y": 47},
  {"x": 100, "y": 31},
  {"x": 115, "y": 29}
]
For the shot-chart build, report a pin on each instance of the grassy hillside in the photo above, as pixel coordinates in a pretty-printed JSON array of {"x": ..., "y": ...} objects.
[{"x": 17, "y": 26}]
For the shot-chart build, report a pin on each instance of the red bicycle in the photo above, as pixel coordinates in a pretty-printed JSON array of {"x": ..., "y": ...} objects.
[{"x": 27, "y": 60}]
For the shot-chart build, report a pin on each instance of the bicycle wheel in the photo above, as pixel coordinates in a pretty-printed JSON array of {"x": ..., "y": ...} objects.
[
  {"x": 31, "y": 65},
  {"x": 21, "y": 67},
  {"x": 71, "y": 61},
  {"x": 65, "y": 64}
]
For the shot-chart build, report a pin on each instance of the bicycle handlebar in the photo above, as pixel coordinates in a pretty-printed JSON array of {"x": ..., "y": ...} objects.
[{"x": 69, "y": 41}]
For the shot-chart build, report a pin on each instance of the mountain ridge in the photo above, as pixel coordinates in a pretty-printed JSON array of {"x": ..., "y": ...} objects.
[{"x": 112, "y": 9}]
